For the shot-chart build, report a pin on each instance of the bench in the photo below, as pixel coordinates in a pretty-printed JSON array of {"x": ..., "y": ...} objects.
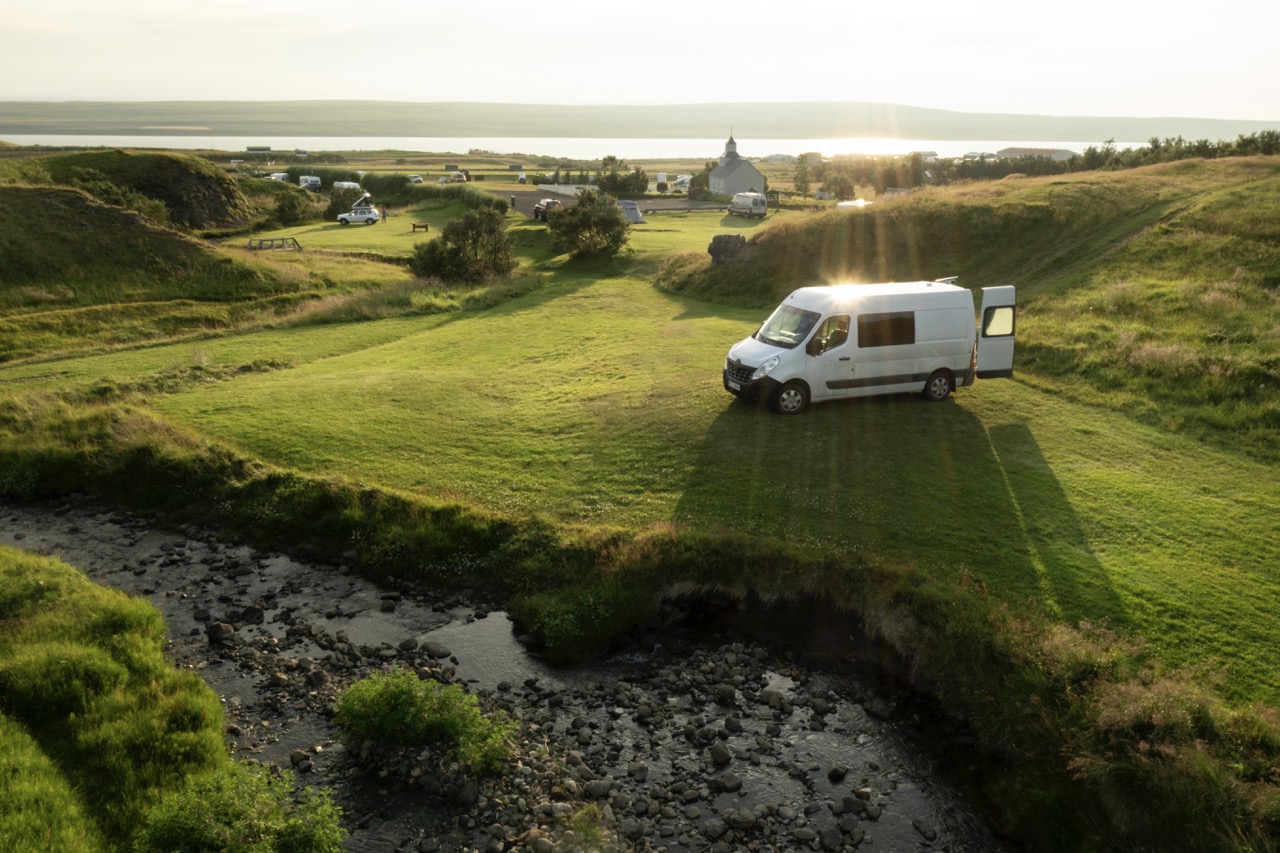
[{"x": 422, "y": 226}]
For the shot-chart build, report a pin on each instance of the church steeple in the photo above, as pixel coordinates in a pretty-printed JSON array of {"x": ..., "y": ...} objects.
[{"x": 730, "y": 150}]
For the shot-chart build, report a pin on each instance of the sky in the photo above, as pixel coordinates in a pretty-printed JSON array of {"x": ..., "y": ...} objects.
[{"x": 1114, "y": 58}]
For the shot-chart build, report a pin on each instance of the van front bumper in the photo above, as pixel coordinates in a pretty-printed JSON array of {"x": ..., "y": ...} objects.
[{"x": 752, "y": 391}]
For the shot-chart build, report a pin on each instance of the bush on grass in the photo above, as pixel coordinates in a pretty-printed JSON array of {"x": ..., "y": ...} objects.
[
  {"x": 242, "y": 808},
  {"x": 401, "y": 708},
  {"x": 473, "y": 248}
]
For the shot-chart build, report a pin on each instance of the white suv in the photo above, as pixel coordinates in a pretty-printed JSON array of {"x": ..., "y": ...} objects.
[{"x": 367, "y": 215}]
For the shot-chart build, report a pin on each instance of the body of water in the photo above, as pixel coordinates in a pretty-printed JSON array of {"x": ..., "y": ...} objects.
[{"x": 567, "y": 147}]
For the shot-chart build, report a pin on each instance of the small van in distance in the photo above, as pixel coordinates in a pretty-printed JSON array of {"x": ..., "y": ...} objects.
[
  {"x": 748, "y": 204},
  {"x": 856, "y": 340}
]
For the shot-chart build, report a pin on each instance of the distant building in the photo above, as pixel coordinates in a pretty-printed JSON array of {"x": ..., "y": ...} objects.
[
  {"x": 926, "y": 156},
  {"x": 1050, "y": 153},
  {"x": 735, "y": 175}
]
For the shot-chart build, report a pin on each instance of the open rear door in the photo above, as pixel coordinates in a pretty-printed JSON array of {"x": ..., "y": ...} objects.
[{"x": 996, "y": 326}]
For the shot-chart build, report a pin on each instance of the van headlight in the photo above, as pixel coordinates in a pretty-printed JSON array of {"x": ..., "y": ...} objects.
[{"x": 766, "y": 367}]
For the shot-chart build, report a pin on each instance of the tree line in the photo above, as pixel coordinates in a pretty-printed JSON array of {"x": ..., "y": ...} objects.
[{"x": 842, "y": 177}]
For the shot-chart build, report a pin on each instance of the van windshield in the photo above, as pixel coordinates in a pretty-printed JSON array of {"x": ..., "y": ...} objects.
[{"x": 787, "y": 326}]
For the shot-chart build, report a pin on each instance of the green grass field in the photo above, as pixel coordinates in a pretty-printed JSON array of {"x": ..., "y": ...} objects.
[
  {"x": 1124, "y": 478},
  {"x": 597, "y": 400}
]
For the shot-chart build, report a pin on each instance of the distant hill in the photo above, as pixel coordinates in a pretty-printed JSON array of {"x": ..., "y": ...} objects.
[{"x": 818, "y": 120}]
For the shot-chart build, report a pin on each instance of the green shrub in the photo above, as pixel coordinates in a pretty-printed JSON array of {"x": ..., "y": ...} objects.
[
  {"x": 594, "y": 225},
  {"x": 473, "y": 248},
  {"x": 401, "y": 708},
  {"x": 243, "y": 809}
]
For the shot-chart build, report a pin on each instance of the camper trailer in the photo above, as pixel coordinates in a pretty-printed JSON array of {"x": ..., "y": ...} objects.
[
  {"x": 309, "y": 182},
  {"x": 346, "y": 185},
  {"x": 856, "y": 340},
  {"x": 749, "y": 204}
]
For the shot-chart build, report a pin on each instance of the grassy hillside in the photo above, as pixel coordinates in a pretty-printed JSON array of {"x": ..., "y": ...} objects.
[
  {"x": 195, "y": 193},
  {"x": 1153, "y": 291},
  {"x": 97, "y": 723}
]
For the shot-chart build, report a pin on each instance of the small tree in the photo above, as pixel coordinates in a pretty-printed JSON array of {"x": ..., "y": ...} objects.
[
  {"x": 593, "y": 226},
  {"x": 801, "y": 180},
  {"x": 292, "y": 207},
  {"x": 473, "y": 248}
]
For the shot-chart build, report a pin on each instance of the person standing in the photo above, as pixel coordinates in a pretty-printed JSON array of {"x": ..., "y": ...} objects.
[{"x": 382, "y": 209}]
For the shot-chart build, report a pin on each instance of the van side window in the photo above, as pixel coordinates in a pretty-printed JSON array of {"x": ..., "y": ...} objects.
[
  {"x": 833, "y": 332},
  {"x": 886, "y": 330},
  {"x": 998, "y": 322}
]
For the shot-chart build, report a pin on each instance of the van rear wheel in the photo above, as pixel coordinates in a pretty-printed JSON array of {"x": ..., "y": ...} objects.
[
  {"x": 791, "y": 399},
  {"x": 939, "y": 386}
]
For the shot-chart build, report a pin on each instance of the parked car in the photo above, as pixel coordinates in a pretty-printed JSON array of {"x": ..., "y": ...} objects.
[
  {"x": 542, "y": 208},
  {"x": 367, "y": 215},
  {"x": 415, "y": 179}
]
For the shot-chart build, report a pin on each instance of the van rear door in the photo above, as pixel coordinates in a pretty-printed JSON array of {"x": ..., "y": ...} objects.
[{"x": 996, "y": 326}]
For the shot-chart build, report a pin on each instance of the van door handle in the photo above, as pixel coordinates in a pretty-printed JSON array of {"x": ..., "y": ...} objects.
[{"x": 844, "y": 358}]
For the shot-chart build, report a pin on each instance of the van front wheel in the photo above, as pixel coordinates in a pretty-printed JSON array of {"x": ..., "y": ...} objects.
[
  {"x": 791, "y": 399},
  {"x": 938, "y": 387}
]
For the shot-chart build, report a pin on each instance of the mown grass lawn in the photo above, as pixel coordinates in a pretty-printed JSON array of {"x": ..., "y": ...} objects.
[{"x": 600, "y": 402}]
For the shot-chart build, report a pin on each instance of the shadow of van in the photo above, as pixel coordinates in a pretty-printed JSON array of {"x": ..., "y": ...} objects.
[{"x": 922, "y": 483}]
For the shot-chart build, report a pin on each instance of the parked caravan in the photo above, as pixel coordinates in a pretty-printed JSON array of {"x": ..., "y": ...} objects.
[
  {"x": 309, "y": 182},
  {"x": 856, "y": 340},
  {"x": 346, "y": 185},
  {"x": 279, "y": 176},
  {"x": 749, "y": 204}
]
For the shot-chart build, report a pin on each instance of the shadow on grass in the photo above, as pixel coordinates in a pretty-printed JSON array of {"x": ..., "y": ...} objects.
[{"x": 895, "y": 477}]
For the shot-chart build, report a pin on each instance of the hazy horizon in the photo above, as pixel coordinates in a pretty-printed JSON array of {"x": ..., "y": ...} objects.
[{"x": 1137, "y": 59}]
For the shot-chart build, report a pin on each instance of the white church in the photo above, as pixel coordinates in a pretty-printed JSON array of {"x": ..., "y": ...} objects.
[{"x": 735, "y": 175}]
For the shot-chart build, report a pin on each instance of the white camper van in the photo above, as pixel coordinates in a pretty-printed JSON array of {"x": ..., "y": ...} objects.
[
  {"x": 748, "y": 204},
  {"x": 856, "y": 340},
  {"x": 346, "y": 185},
  {"x": 309, "y": 182}
]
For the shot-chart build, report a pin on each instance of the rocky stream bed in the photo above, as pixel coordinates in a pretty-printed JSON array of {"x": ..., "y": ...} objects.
[{"x": 698, "y": 738}]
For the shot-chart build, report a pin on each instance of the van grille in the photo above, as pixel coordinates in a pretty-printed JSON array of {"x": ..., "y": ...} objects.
[{"x": 740, "y": 373}]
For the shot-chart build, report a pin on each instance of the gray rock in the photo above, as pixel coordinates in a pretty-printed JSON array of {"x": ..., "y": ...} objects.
[
  {"x": 720, "y": 753},
  {"x": 318, "y": 678},
  {"x": 730, "y": 782},
  {"x": 598, "y": 789},
  {"x": 836, "y": 772},
  {"x": 926, "y": 831},
  {"x": 436, "y": 650},
  {"x": 469, "y": 794},
  {"x": 220, "y": 632}
]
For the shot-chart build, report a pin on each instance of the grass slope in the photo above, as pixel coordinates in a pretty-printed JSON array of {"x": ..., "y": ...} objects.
[
  {"x": 101, "y": 723},
  {"x": 1152, "y": 291},
  {"x": 617, "y": 419}
]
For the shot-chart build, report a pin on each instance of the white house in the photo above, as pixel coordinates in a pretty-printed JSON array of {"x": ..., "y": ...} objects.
[{"x": 735, "y": 175}]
